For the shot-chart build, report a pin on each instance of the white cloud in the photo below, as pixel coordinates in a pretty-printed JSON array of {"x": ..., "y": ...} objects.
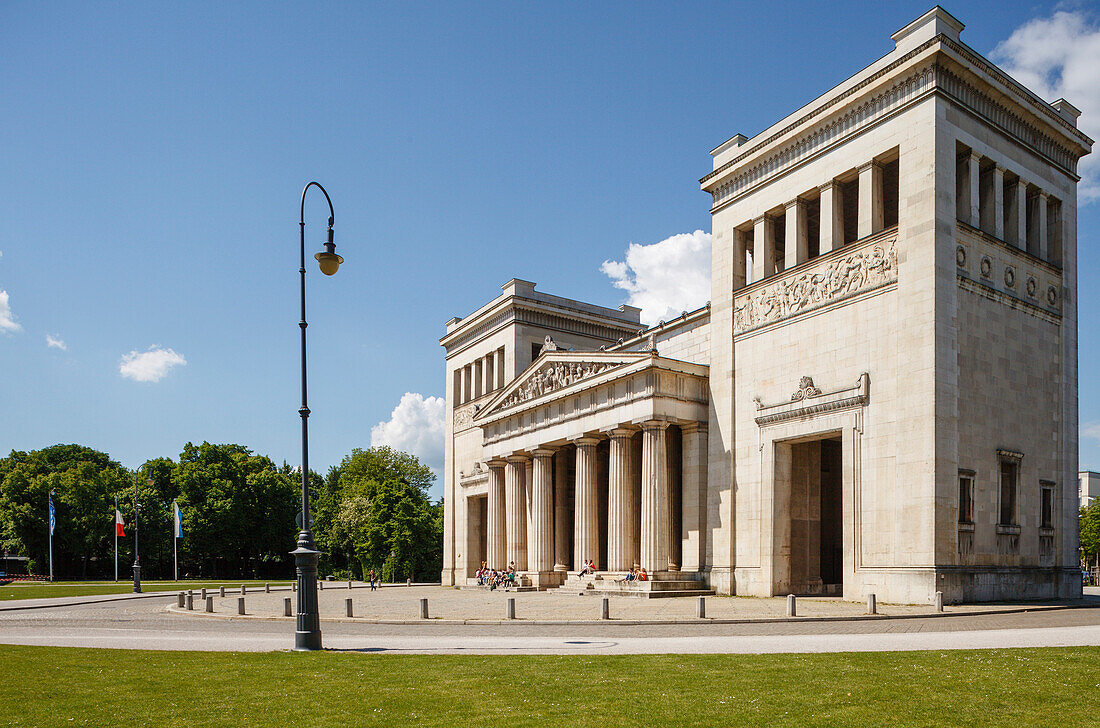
[
  {"x": 666, "y": 278},
  {"x": 55, "y": 342},
  {"x": 1059, "y": 57},
  {"x": 8, "y": 324},
  {"x": 1091, "y": 430},
  {"x": 416, "y": 427},
  {"x": 149, "y": 366}
]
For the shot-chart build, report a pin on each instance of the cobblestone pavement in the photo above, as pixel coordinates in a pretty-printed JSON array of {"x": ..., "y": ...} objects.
[{"x": 152, "y": 623}]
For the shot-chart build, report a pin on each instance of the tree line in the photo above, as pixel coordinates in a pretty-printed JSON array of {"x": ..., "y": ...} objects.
[{"x": 238, "y": 513}]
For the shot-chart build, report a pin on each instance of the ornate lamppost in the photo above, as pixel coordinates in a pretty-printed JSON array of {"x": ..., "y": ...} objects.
[{"x": 307, "y": 635}]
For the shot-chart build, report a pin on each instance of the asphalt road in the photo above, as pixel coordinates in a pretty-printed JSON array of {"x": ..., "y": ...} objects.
[{"x": 147, "y": 624}]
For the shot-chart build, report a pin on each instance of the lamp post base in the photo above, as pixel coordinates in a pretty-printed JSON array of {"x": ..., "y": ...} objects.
[
  {"x": 307, "y": 636},
  {"x": 137, "y": 578}
]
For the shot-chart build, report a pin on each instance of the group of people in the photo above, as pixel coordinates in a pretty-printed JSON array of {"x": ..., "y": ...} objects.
[
  {"x": 631, "y": 576},
  {"x": 494, "y": 578}
]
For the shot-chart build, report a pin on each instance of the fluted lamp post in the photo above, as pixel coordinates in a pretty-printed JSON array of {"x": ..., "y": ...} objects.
[{"x": 307, "y": 635}]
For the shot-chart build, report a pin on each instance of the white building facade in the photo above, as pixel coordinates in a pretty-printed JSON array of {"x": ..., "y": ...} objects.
[{"x": 881, "y": 396}]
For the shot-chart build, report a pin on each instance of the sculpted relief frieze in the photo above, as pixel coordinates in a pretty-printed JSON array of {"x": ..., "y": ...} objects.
[
  {"x": 464, "y": 417},
  {"x": 865, "y": 269},
  {"x": 555, "y": 376}
]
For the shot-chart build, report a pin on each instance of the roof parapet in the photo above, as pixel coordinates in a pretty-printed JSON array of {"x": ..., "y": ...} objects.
[{"x": 936, "y": 21}]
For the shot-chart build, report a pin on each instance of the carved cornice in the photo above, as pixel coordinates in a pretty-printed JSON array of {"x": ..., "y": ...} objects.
[
  {"x": 809, "y": 400},
  {"x": 851, "y": 271}
]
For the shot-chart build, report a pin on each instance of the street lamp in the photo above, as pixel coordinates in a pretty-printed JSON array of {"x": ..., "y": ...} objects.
[{"x": 307, "y": 635}]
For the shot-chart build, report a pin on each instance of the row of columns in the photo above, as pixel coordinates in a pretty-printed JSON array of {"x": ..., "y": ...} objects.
[
  {"x": 870, "y": 219},
  {"x": 1005, "y": 210},
  {"x": 521, "y": 492},
  {"x": 480, "y": 377}
]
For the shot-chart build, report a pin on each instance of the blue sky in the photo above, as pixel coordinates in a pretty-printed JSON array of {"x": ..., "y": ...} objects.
[{"x": 154, "y": 153}]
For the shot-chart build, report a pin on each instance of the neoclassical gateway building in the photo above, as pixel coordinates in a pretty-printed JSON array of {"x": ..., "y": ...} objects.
[{"x": 880, "y": 397}]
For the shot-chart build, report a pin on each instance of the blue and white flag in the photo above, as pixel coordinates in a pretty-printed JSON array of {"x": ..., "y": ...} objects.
[
  {"x": 53, "y": 518},
  {"x": 179, "y": 520}
]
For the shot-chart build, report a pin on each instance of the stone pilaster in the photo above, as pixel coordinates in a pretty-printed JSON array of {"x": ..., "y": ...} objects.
[
  {"x": 562, "y": 521},
  {"x": 693, "y": 524},
  {"x": 870, "y": 217},
  {"x": 998, "y": 228},
  {"x": 973, "y": 187},
  {"x": 655, "y": 522},
  {"x": 620, "y": 511},
  {"x": 542, "y": 512},
  {"x": 586, "y": 531},
  {"x": 796, "y": 248},
  {"x": 515, "y": 507},
  {"x": 832, "y": 217},
  {"x": 495, "y": 538},
  {"x": 1016, "y": 230},
  {"x": 763, "y": 248},
  {"x": 1043, "y": 244}
]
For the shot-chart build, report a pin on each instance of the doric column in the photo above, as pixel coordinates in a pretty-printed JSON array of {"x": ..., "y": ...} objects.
[
  {"x": 561, "y": 513},
  {"x": 796, "y": 248},
  {"x": 586, "y": 527},
  {"x": 998, "y": 228},
  {"x": 495, "y": 539},
  {"x": 870, "y": 199},
  {"x": 655, "y": 521},
  {"x": 542, "y": 512},
  {"x": 832, "y": 217},
  {"x": 477, "y": 378},
  {"x": 763, "y": 248},
  {"x": 693, "y": 524},
  {"x": 516, "y": 511},
  {"x": 498, "y": 367},
  {"x": 973, "y": 174},
  {"x": 528, "y": 479},
  {"x": 467, "y": 383},
  {"x": 487, "y": 374},
  {"x": 1016, "y": 204},
  {"x": 1043, "y": 247},
  {"x": 620, "y": 497}
]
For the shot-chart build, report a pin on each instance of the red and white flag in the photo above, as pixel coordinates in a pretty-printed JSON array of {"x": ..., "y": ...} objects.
[{"x": 119, "y": 524}]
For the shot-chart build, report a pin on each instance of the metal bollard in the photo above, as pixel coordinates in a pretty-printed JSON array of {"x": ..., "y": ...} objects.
[
  {"x": 240, "y": 605},
  {"x": 267, "y": 588},
  {"x": 321, "y": 584},
  {"x": 190, "y": 601},
  {"x": 510, "y": 611},
  {"x": 242, "y": 589},
  {"x": 210, "y": 604},
  {"x": 872, "y": 604},
  {"x": 423, "y": 608},
  {"x": 221, "y": 591},
  {"x": 204, "y": 592},
  {"x": 702, "y": 612},
  {"x": 409, "y": 582},
  {"x": 347, "y": 607},
  {"x": 605, "y": 608},
  {"x": 349, "y": 583},
  {"x": 179, "y": 600},
  {"x": 792, "y": 609},
  {"x": 286, "y": 606},
  {"x": 939, "y": 601}
]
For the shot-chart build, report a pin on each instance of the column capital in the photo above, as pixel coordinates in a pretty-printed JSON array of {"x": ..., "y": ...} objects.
[
  {"x": 973, "y": 156},
  {"x": 869, "y": 165},
  {"x": 759, "y": 220},
  {"x": 1043, "y": 194},
  {"x": 543, "y": 452},
  {"x": 495, "y": 463},
  {"x": 831, "y": 184},
  {"x": 517, "y": 458},
  {"x": 688, "y": 427},
  {"x": 999, "y": 169},
  {"x": 585, "y": 441},
  {"x": 796, "y": 202},
  {"x": 622, "y": 430},
  {"x": 648, "y": 425}
]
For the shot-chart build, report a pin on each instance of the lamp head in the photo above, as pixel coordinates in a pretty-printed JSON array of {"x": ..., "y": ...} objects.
[{"x": 328, "y": 260}]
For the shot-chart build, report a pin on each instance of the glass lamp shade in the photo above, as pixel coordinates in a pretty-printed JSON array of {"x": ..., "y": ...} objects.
[{"x": 329, "y": 262}]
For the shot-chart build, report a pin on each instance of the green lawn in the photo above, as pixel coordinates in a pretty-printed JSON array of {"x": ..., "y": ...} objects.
[
  {"x": 40, "y": 590},
  {"x": 46, "y": 686}
]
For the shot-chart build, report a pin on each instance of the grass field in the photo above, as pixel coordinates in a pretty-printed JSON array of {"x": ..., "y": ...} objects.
[
  {"x": 40, "y": 590},
  {"x": 47, "y": 686}
]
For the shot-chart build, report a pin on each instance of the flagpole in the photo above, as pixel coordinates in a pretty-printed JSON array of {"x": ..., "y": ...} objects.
[
  {"x": 51, "y": 534},
  {"x": 115, "y": 519},
  {"x": 175, "y": 543}
]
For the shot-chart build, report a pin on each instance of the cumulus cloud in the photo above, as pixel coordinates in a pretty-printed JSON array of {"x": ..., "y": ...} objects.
[
  {"x": 416, "y": 427},
  {"x": 55, "y": 342},
  {"x": 151, "y": 365},
  {"x": 1059, "y": 57},
  {"x": 8, "y": 324},
  {"x": 664, "y": 279},
  {"x": 1091, "y": 430}
]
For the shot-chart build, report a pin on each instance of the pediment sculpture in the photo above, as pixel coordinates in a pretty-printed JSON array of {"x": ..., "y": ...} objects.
[{"x": 554, "y": 376}]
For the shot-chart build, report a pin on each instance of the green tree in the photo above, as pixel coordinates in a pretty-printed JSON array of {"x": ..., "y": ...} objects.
[{"x": 1089, "y": 525}]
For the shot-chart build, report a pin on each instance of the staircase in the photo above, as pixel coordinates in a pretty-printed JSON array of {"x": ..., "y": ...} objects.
[{"x": 665, "y": 584}]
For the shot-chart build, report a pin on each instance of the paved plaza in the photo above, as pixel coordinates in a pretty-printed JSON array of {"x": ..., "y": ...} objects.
[{"x": 469, "y": 622}]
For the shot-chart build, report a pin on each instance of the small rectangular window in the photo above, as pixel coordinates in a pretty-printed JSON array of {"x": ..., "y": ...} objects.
[
  {"x": 966, "y": 498},
  {"x": 1010, "y": 469},
  {"x": 1046, "y": 507}
]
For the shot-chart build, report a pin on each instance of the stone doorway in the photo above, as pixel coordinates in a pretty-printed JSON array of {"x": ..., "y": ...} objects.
[
  {"x": 477, "y": 533},
  {"x": 808, "y": 514}
]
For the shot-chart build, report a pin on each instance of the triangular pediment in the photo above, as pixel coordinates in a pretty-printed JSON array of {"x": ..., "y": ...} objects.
[{"x": 557, "y": 373}]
